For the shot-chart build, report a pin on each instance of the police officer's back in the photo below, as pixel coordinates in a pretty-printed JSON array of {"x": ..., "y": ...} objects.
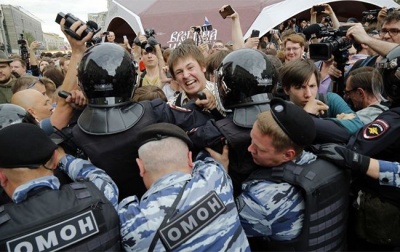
[
  {"x": 44, "y": 216},
  {"x": 107, "y": 128},
  {"x": 188, "y": 206}
]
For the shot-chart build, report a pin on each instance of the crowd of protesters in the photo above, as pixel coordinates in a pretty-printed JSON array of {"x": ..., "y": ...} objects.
[{"x": 282, "y": 141}]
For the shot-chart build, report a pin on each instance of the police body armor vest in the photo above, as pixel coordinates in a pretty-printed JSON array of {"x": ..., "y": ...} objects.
[
  {"x": 75, "y": 218},
  {"x": 325, "y": 191},
  {"x": 384, "y": 147}
]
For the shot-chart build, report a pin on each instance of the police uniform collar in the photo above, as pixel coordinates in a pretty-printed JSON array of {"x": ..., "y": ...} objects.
[{"x": 110, "y": 120}]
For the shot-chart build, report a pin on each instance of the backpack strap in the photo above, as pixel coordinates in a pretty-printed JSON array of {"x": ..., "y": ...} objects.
[{"x": 142, "y": 77}]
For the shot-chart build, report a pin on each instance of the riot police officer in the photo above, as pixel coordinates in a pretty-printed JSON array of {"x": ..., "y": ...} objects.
[
  {"x": 245, "y": 79},
  {"x": 79, "y": 216},
  {"x": 107, "y": 128},
  {"x": 13, "y": 114},
  {"x": 379, "y": 139}
]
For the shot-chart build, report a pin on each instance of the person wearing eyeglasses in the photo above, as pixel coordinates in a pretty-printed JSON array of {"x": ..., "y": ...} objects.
[
  {"x": 219, "y": 45},
  {"x": 391, "y": 28},
  {"x": 364, "y": 91},
  {"x": 376, "y": 206},
  {"x": 294, "y": 47},
  {"x": 374, "y": 40},
  {"x": 29, "y": 82}
]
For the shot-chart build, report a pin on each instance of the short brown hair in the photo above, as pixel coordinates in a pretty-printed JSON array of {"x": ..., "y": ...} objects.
[
  {"x": 148, "y": 93},
  {"x": 297, "y": 72},
  {"x": 213, "y": 61},
  {"x": 23, "y": 82},
  {"x": 295, "y": 38},
  {"x": 367, "y": 78},
  {"x": 185, "y": 51}
]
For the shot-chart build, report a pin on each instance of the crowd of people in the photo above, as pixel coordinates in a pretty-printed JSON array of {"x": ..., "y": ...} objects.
[{"x": 252, "y": 144}]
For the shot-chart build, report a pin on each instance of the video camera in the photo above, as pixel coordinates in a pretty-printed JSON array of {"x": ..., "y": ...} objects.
[
  {"x": 151, "y": 40},
  {"x": 22, "y": 47},
  {"x": 331, "y": 44},
  {"x": 371, "y": 15},
  {"x": 70, "y": 19}
]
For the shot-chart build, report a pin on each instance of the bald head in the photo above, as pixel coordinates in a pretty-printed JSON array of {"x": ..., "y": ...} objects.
[{"x": 34, "y": 102}]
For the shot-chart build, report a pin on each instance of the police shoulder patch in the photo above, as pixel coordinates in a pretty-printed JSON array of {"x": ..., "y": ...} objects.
[
  {"x": 375, "y": 129},
  {"x": 174, "y": 107}
]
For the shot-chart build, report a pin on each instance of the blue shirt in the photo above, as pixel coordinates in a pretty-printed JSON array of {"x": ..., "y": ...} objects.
[
  {"x": 76, "y": 169},
  {"x": 141, "y": 219},
  {"x": 273, "y": 209},
  {"x": 389, "y": 173},
  {"x": 337, "y": 106}
]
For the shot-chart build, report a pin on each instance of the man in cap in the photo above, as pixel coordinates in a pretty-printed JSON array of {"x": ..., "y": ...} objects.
[
  {"x": 280, "y": 200},
  {"x": 6, "y": 78},
  {"x": 77, "y": 216},
  {"x": 188, "y": 205}
]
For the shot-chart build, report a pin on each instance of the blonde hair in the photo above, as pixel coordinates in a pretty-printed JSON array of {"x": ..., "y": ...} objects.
[{"x": 280, "y": 140}]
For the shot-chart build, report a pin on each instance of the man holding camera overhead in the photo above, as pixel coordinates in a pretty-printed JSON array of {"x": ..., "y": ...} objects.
[
  {"x": 152, "y": 58},
  {"x": 390, "y": 32}
]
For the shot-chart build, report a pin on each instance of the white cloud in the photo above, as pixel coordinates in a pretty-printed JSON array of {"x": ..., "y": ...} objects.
[{"x": 46, "y": 10}]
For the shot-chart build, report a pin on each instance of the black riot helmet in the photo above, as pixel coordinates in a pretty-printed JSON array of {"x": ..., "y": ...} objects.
[
  {"x": 390, "y": 70},
  {"x": 12, "y": 114},
  {"x": 107, "y": 75},
  {"x": 242, "y": 74}
]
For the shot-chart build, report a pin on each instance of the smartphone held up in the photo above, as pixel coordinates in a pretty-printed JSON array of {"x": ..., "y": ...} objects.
[
  {"x": 255, "y": 34},
  {"x": 227, "y": 11}
]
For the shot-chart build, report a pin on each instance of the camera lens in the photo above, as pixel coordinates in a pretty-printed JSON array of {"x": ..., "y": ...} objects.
[{"x": 148, "y": 48}]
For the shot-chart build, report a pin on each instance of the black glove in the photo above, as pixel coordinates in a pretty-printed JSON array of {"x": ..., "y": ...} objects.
[{"x": 343, "y": 157}]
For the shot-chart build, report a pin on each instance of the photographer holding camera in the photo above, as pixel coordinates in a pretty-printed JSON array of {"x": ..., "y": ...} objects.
[
  {"x": 152, "y": 59},
  {"x": 327, "y": 10},
  {"x": 389, "y": 32},
  {"x": 110, "y": 36}
]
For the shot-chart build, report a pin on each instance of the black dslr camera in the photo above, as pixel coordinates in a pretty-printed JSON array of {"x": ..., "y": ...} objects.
[
  {"x": 70, "y": 19},
  {"x": 151, "y": 40},
  {"x": 22, "y": 47}
]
